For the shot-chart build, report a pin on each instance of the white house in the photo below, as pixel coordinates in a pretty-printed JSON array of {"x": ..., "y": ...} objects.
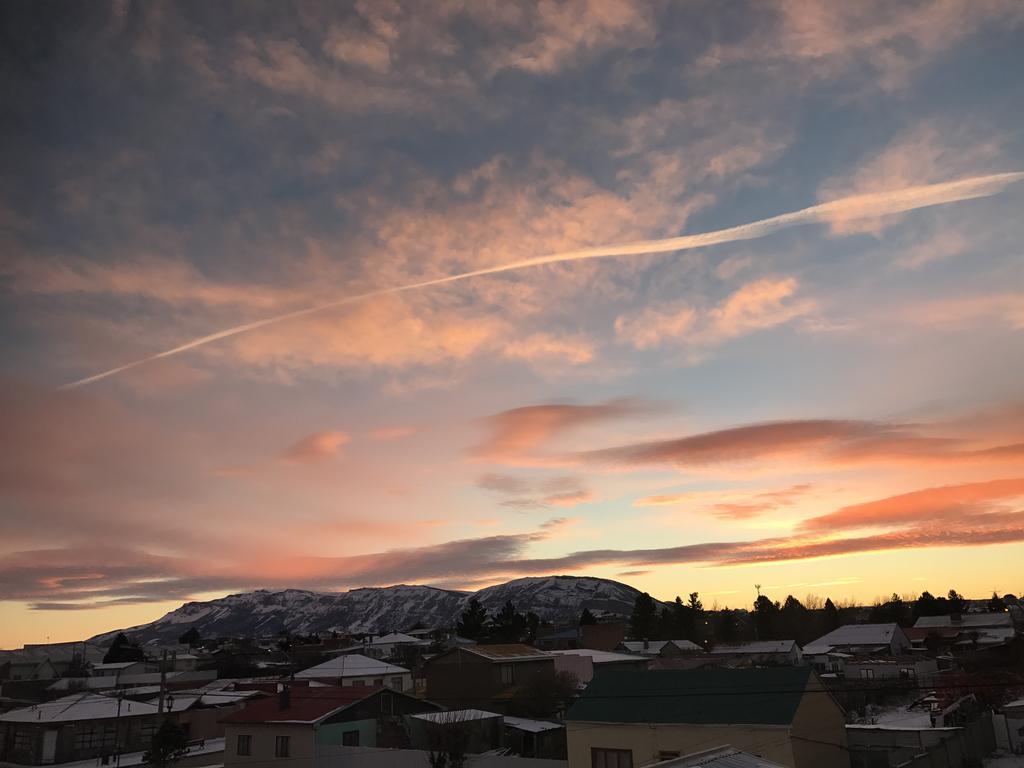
[{"x": 354, "y": 669}]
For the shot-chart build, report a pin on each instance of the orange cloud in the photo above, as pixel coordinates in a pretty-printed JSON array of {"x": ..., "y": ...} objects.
[
  {"x": 930, "y": 505},
  {"x": 756, "y": 306},
  {"x": 517, "y": 432},
  {"x": 315, "y": 447}
]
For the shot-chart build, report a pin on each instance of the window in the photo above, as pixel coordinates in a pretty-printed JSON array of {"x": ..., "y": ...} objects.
[
  {"x": 610, "y": 758},
  {"x": 281, "y": 746},
  {"x": 96, "y": 737},
  {"x": 396, "y": 683},
  {"x": 350, "y": 739},
  {"x": 908, "y": 673},
  {"x": 508, "y": 674},
  {"x": 358, "y": 683},
  {"x": 244, "y": 746},
  {"x": 867, "y": 674},
  {"x": 378, "y": 681}
]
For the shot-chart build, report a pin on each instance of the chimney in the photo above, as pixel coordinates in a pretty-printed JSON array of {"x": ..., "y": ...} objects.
[{"x": 284, "y": 698}]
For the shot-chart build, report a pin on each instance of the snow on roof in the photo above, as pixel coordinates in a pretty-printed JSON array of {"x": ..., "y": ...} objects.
[
  {"x": 80, "y": 706},
  {"x": 507, "y": 652},
  {"x": 655, "y": 646},
  {"x": 760, "y": 646},
  {"x": 351, "y": 665},
  {"x": 455, "y": 716},
  {"x": 856, "y": 634},
  {"x": 601, "y": 657},
  {"x": 395, "y": 637},
  {"x": 531, "y": 726},
  {"x": 719, "y": 757},
  {"x": 968, "y": 620},
  {"x": 114, "y": 665}
]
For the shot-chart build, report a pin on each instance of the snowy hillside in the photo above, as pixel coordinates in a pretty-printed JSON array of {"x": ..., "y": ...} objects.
[{"x": 553, "y": 598}]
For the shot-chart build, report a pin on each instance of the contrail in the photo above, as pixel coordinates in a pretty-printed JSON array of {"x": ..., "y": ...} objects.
[{"x": 847, "y": 208}]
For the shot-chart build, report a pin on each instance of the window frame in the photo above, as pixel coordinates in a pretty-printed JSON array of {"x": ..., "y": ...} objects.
[
  {"x": 247, "y": 751},
  {"x": 599, "y": 757},
  {"x": 282, "y": 746},
  {"x": 346, "y": 741}
]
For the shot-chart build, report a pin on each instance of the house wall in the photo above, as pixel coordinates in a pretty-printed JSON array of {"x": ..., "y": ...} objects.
[
  {"x": 23, "y": 742},
  {"x": 334, "y": 733},
  {"x": 647, "y": 740},
  {"x": 818, "y": 731},
  {"x": 461, "y": 679},
  {"x": 372, "y": 680},
  {"x": 302, "y": 747}
]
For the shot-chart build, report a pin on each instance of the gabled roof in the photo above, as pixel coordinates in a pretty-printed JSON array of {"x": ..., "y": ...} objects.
[
  {"x": 305, "y": 705},
  {"x": 80, "y": 706},
  {"x": 351, "y": 665},
  {"x": 759, "y": 646},
  {"x": 758, "y": 696},
  {"x": 507, "y": 652},
  {"x": 856, "y": 634}
]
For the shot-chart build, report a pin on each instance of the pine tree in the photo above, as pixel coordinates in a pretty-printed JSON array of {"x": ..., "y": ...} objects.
[
  {"x": 122, "y": 649},
  {"x": 587, "y": 619},
  {"x": 644, "y": 617},
  {"x": 831, "y": 616},
  {"x": 473, "y": 621}
]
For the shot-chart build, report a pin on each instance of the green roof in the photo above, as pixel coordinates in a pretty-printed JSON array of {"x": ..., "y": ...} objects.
[{"x": 759, "y": 696}]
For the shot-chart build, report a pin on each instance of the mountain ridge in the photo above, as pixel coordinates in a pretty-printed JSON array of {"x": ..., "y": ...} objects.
[{"x": 380, "y": 609}]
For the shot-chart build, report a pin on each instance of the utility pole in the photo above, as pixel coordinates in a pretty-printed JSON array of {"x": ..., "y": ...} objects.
[{"x": 163, "y": 680}]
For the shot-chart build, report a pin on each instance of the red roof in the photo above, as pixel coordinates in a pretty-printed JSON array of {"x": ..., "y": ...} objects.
[{"x": 306, "y": 705}]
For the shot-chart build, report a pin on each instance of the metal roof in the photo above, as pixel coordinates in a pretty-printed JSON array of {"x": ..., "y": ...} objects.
[
  {"x": 351, "y": 665},
  {"x": 856, "y": 634},
  {"x": 756, "y": 696},
  {"x": 80, "y": 706},
  {"x": 719, "y": 757},
  {"x": 507, "y": 652},
  {"x": 760, "y": 646}
]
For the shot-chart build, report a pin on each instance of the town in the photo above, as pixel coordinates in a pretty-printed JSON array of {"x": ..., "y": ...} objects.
[{"x": 925, "y": 683}]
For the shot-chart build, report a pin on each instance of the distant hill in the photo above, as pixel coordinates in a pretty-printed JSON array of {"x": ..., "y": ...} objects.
[{"x": 382, "y": 609}]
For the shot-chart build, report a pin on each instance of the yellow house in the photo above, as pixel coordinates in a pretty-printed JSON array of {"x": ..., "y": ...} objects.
[{"x": 633, "y": 719}]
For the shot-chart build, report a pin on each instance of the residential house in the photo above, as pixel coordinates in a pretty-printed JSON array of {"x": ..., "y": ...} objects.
[
  {"x": 487, "y": 677},
  {"x": 474, "y": 730},
  {"x": 583, "y": 663},
  {"x": 354, "y": 669},
  {"x": 293, "y": 725},
  {"x": 631, "y": 719},
  {"x": 890, "y": 668},
  {"x": 125, "y": 668},
  {"x": 535, "y": 738},
  {"x": 1009, "y": 727},
  {"x": 82, "y": 726},
  {"x": 856, "y": 639},
  {"x": 387, "y": 646},
  {"x": 660, "y": 648},
  {"x": 559, "y": 639},
  {"x": 603, "y": 636},
  {"x": 759, "y": 652},
  {"x": 968, "y": 630}
]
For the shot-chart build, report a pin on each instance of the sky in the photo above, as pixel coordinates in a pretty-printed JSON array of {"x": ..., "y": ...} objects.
[{"x": 826, "y": 403}]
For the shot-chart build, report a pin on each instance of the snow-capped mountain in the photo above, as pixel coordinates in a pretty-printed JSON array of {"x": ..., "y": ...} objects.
[{"x": 371, "y": 609}]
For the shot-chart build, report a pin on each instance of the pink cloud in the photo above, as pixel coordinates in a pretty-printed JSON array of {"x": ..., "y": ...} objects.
[{"x": 316, "y": 447}]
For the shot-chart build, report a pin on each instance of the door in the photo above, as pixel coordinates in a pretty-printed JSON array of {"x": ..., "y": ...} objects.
[{"x": 49, "y": 746}]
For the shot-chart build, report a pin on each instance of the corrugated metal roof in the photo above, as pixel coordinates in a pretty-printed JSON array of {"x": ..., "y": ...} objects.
[
  {"x": 507, "y": 652},
  {"x": 967, "y": 620},
  {"x": 857, "y": 634},
  {"x": 757, "y": 696}
]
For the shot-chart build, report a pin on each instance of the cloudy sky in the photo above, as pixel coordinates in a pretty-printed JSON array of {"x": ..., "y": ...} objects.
[{"x": 827, "y": 403}]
